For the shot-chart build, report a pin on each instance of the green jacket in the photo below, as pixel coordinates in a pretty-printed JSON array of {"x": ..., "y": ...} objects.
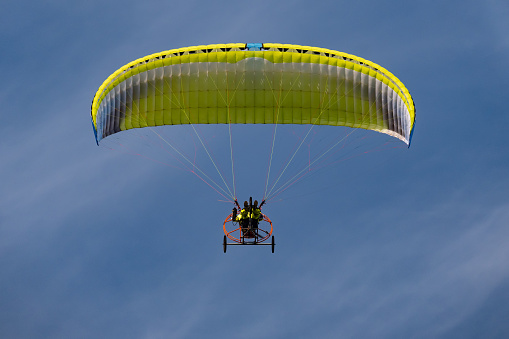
[
  {"x": 256, "y": 214},
  {"x": 244, "y": 214}
]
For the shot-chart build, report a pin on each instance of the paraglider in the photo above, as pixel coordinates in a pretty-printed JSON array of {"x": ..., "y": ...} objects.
[{"x": 252, "y": 84}]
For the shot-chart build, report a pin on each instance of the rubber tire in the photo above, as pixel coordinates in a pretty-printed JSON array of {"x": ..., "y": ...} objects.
[
  {"x": 273, "y": 244},
  {"x": 224, "y": 244}
]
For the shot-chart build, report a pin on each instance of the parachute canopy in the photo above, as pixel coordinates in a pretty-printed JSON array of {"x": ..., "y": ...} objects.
[{"x": 253, "y": 84}]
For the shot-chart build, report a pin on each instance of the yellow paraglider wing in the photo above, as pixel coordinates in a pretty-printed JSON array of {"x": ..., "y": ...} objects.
[{"x": 253, "y": 84}]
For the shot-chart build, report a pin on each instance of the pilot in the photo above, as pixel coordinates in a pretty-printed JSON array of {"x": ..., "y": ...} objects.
[{"x": 243, "y": 217}]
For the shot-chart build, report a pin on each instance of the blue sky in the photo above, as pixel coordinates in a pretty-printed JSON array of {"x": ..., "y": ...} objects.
[{"x": 407, "y": 243}]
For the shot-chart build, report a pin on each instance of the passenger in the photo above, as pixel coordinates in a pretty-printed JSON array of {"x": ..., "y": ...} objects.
[{"x": 256, "y": 215}]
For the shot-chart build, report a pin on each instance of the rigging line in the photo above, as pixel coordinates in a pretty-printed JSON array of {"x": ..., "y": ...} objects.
[
  {"x": 270, "y": 159},
  {"x": 141, "y": 119},
  {"x": 228, "y": 102},
  {"x": 347, "y": 156},
  {"x": 342, "y": 147},
  {"x": 288, "y": 163},
  {"x": 128, "y": 151},
  {"x": 192, "y": 163},
  {"x": 146, "y": 123},
  {"x": 279, "y": 103},
  {"x": 197, "y": 134},
  {"x": 306, "y": 167},
  {"x": 183, "y": 109},
  {"x": 313, "y": 162},
  {"x": 343, "y": 157},
  {"x": 231, "y": 200},
  {"x": 293, "y": 149},
  {"x": 324, "y": 108},
  {"x": 243, "y": 75},
  {"x": 231, "y": 152},
  {"x": 204, "y": 147},
  {"x": 316, "y": 169},
  {"x": 368, "y": 115},
  {"x": 161, "y": 145},
  {"x": 277, "y": 99},
  {"x": 288, "y": 186},
  {"x": 359, "y": 154},
  {"x": 189, "y": 161},
  {"x": 162, "y": 138},
  {"x": 193, "y": 171}
]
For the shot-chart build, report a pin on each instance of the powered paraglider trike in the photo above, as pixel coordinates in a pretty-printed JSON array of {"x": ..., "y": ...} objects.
[
  {"x": 250, "y": 227},
  {"x": 247, "y": 235}
]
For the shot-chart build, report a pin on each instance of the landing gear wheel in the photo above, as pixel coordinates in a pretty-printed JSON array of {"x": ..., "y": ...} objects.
[
  {"x": 273, "y": 244},
  {"x": 224, "y": 244}
]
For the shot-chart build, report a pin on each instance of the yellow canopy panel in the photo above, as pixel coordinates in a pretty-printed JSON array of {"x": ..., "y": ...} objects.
[{"x": 253, "y": 84}]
